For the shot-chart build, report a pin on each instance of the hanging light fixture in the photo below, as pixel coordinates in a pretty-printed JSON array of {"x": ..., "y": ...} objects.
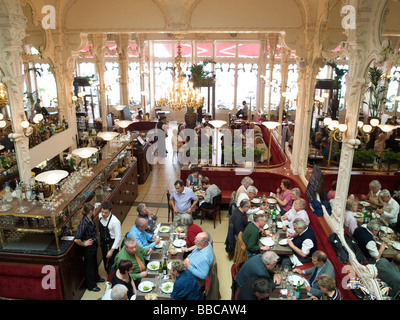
[{"x": 180, "y": 95}]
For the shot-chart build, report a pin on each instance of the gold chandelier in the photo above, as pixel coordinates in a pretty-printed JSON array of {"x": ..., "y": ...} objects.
[
  {"x": 181, "y": 95},
  {"x": 3, "y": 95}
]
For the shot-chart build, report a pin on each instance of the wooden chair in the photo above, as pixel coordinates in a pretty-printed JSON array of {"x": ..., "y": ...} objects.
[
  {"x": 241, "y": 255},
  {"x": 234, "y": 284},
  {"x": 216, "y": 209}
]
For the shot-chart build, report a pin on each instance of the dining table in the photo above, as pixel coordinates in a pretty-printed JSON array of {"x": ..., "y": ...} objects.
[{"x": 154, "y": 282}]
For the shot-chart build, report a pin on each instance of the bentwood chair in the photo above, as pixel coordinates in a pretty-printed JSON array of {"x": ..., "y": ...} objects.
[{"x": 216, "y": 209}]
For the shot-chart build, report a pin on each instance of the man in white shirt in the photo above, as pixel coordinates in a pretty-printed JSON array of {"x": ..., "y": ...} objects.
[
  {"x": 299, "y": 207},
  {"x": 390, "y": 209},
  {"x": 110, "y": 235}
]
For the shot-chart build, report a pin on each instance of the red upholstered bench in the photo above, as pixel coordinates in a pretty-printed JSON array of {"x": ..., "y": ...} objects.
[
  {"x": 22, "y": 281},
  {"x": 228, "y": 181}
]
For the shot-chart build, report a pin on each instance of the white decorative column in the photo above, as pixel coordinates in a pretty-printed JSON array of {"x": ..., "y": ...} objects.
[
  {"x": 273, "y": 41},
  {"x": 99, "y": 41},
  {"x": 123, "y": 43},
  {"x": 12, "y": 32},
  {"x": 362, "y": 48}
]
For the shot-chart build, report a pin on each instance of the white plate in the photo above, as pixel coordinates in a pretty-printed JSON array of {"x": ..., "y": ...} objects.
[
  {"x": 386, "y": 229},
  {"x": 270, "y": 200},
  {"x": 179, "y": 243},
  {"x": 365, "y": 203},
  {"x": 283, "y": 242},
  {"x": 358, "y": 215},
  {"x": 165, "y": 229},
  {"x": 294, "y": 279},
  {"x": 279, "y": 224},
  {"x": 153, "y": 265},
  {"x": 167, "y": 287},
  {"x": 267, "y": 241},
  {"x": 396, "y": 245},
  {"x": 266, "y": 227},
  {"x": 160, "y": 244},
  {"x": 146, "y": 286},
  {"x": 256, "y": 200}
]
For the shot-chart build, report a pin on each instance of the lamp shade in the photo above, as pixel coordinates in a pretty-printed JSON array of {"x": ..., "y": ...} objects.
[
  {"x": 119, "y": 107},
  {"x": 327, "y": 121},
  {"x": 217, "y": 123},
  {"x": 84, "y": 152},
  {"x": 124, "y": 123},
  {"x": 107, "y": 135},
  {"x": 271, "y": 124},
  {"x": 367, "y": 128},
  {"x": 52, "y": 176},
  {"x": 386, "y": 127},
  {"x": 342, "y": 127},
  {"x": 374, "y": 122}
]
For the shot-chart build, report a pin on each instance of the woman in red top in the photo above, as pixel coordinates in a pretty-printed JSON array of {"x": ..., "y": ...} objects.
[{"x": 192, "y": 231}]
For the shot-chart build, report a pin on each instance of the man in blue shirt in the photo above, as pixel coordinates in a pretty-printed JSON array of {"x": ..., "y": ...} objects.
[
  {"x": 181, "y": 199},
  {"x": 201, "y": 259},
  {"x": 138, "y": 231}
]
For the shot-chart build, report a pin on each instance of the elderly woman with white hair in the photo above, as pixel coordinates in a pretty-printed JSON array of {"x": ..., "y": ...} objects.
[
  {"x": 373, "y": 196},
  {"x": 246, "y": 182}
]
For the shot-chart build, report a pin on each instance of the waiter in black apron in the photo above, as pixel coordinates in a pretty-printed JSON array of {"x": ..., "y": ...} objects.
[
  {"x": 110, "y": 235},
  {"x": 86, "y": 237}
]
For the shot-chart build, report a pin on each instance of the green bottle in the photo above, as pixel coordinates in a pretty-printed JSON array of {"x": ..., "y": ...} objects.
[{"x": 297, "y": 291}]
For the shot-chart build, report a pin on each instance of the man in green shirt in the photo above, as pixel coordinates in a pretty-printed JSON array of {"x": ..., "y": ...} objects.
[
  {"x": 252, "y": 234},
  {"x": 131, "y": 251}
]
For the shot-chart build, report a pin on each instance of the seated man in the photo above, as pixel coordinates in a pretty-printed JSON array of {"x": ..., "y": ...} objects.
[
  {"x": 390, "y": 209},
  {"x": 252, "y": 235},
  {"x": 131, "y": 251},
  {"x": 211, "y": 191},
  {"x": 181, "y": 199},
  {"x": 138, "y": 231},
  {"x": 151, "y": 218},
  {"x": 350, "y": 222},
  {"x": 118, "y": 292},
  {"x": 250, "y": 193},
  {"x": 239, "y": 217},
  {"x": 304, "y": 244},
  {"x": 255, "y": 289},
  {"x": 366, "y": 241},
  {"x": 389, "y": 272},
  {"x": 300, "y": 212},
  {"x": 260, "y": 266},
  {"x": 201, "y": 259},
  {"x": 321, "y": 265}
]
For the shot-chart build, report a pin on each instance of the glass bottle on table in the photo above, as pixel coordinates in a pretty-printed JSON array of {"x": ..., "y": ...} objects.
[
  {"x": 297, "y": 290},
  {"x": 165, "y": 267}
]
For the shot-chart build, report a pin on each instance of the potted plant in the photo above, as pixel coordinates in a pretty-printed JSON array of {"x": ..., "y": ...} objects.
[
  {"x": 377, "y": 91},
  {"x": 364, "y": 156},
  {"x": 391, "y": 157},
  {"x": 337, "y": 87},
  {"x": 200, "y": 78}
]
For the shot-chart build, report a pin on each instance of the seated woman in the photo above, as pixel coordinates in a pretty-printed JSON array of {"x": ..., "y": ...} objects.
[
  {"x": 194, "y": 179},
  {"x": 122, "y": 276},
  {"x": 284, "y": 196},
  {"x": 328, "y": 287},
  {"x": 332, "y": 191},
  {"x": 246, "y": 182},
  {"x": 373, "y": 197},
  {"x": 139, "y": 115},
  {"x": 185, "y": 286},
  {"x": 191, "y": 232}
]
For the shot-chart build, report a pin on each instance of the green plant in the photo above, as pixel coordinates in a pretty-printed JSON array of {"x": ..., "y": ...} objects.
[
  {"x": 364, "y": 156},
  {"x": 377, "y": 90},
  {"x": 337, "y": 80},
  {"x": 391, "y": 156},
  {"x": 199, "y": 76}
]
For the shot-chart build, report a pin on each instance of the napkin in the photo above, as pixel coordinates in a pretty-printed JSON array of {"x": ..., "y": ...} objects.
[{"x": 157, "y": 229}]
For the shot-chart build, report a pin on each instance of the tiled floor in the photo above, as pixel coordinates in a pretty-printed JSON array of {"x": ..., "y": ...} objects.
[{"x": 153, "y": 193}]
